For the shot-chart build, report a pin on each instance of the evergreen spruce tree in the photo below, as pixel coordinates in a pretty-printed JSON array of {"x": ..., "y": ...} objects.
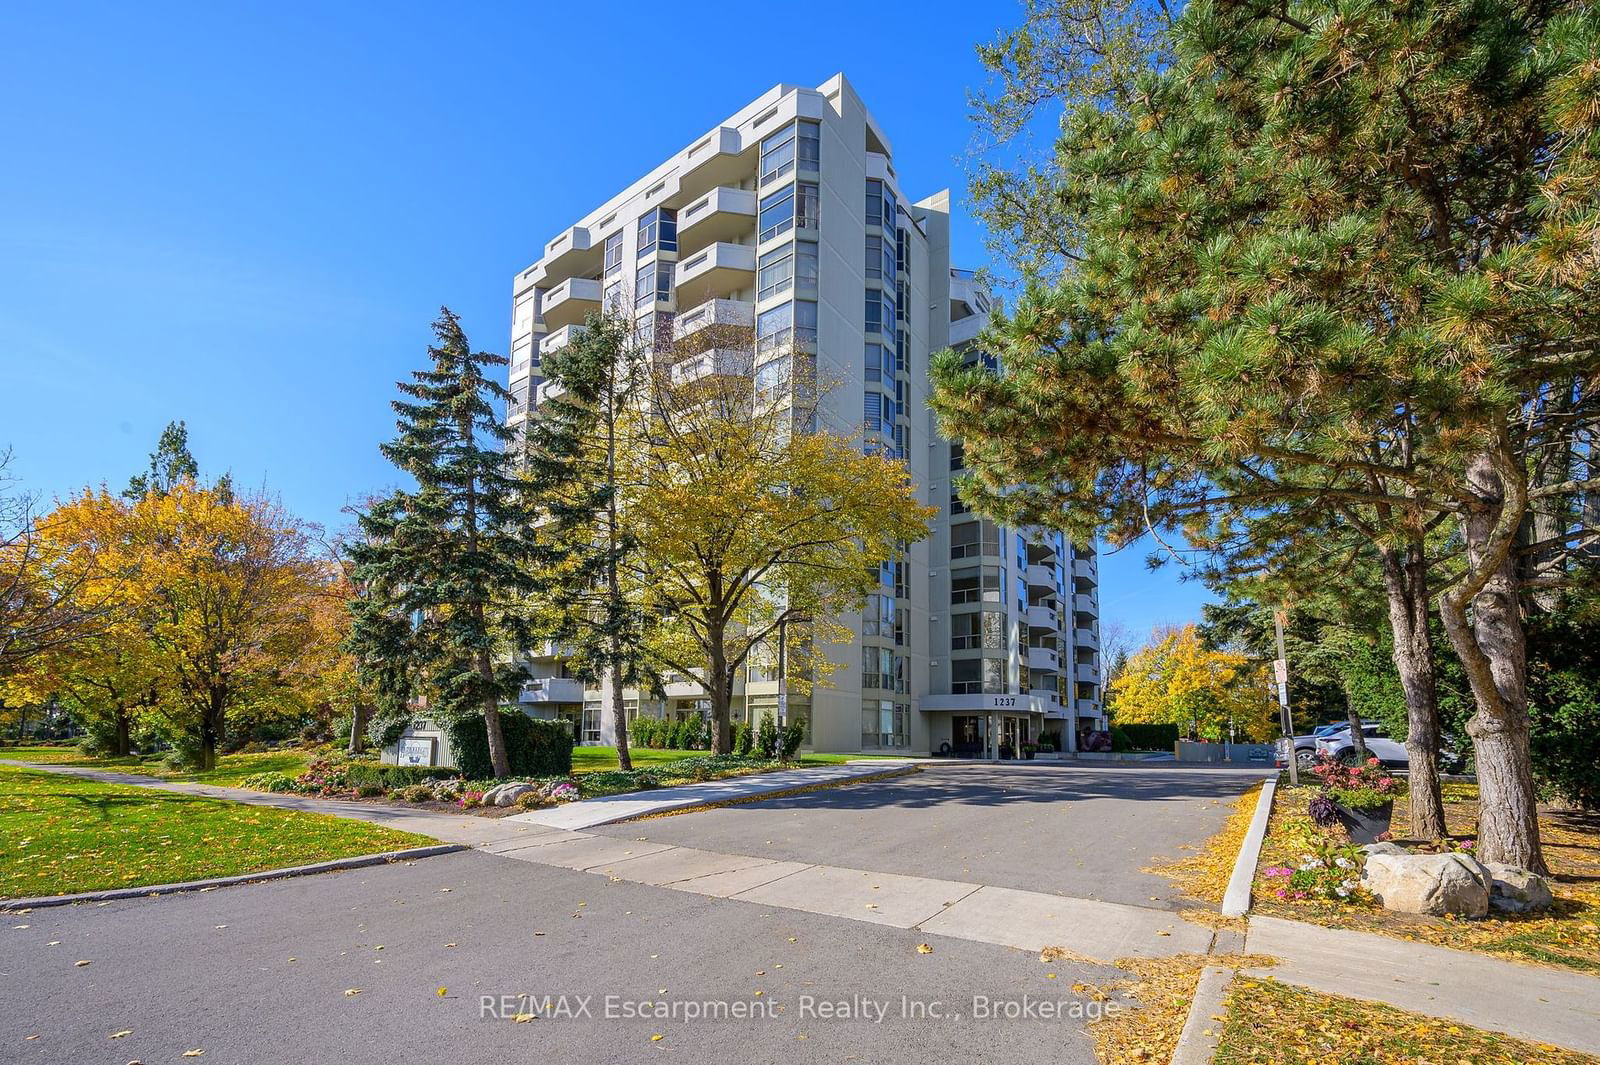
[
  {"x": 571, "y": 472},
  {"x": 452, "y": 554},
  {"x": 170, "y": 463}
]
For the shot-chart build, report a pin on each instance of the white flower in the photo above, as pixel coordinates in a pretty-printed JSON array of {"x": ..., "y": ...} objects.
[
  {"x": 1343, "y": 863},
  {"x": 1341, "y": 892}
]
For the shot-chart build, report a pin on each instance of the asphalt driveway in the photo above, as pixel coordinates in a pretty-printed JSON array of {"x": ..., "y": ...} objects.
[
  {"x": 1087, "y": 832},
  {"x": 440, "y": 951}
]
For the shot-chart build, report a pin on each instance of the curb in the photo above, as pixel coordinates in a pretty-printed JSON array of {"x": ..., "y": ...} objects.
[
  {"x": 1236, "y": 899},
  {"x": 110, "y": 894},
  {"x": 1197, "y": 1043}
]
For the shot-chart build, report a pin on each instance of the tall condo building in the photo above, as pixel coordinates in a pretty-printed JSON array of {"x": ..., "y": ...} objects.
[{"x": 788, "y": 218}]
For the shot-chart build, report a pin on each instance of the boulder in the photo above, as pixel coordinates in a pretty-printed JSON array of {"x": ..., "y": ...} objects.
[
  {"x": 508, "y": 794},
  {"x": 1384, "y": 848},
  {"x": 1434, "y": 884},
  {"x": 1515, "y": 890}
]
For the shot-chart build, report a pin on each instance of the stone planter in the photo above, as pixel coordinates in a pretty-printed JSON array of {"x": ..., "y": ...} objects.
[{"x": 1365, "y": 826}]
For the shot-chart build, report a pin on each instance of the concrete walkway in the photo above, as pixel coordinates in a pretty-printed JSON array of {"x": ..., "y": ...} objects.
[
  {"x": 1529, "y": 1001},
  {"x": 608, "y": 809}
]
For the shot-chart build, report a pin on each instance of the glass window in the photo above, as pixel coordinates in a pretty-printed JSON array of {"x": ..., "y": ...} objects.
[
  {"x": 805, "y": 269},
  {"x": 805, "y": 322},
  {"x": 901, "y": 341},
  {"x": 777, "y": 213},
  {"x": 776, "y": 272},
  {"x": 658, "y": 231},
  {"x": 774, "y": 327},
  {"x": 888, "y": 261},
  {"x": 872, "y": 412},
  {"x": 806, "y": 205},
  {"x": 874, "y": 202},
  {"x": 874, "y": 257},
  {"x": 958, "y": 456},
  {"x": 874, "y": 312},
  {"x": 772, "y": 377},
  {"x": 975, "y": 584},
  {"x": 966, "y": 676},
  {"x": 810, "y": 146},
  {"x": 971, "y": 539},
  {"x": 875, "y": 362},
  {"x": 777, "y": 154},
  {"x": 644, "y": 285},
  {"x": 614, "y": 255}
]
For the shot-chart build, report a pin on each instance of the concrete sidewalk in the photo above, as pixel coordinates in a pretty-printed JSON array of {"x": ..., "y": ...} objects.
[
  {"x": 1528, "y": 1001},
  {"x": 608, "y": 809}
]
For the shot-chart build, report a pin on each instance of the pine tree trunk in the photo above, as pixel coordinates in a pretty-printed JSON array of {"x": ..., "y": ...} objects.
[
  {"x": 618, "y": 711},
  {"x": 1493, "y": 651},
  {"x": 1404, "y": 576},
  {"x": 491, "y": 719}
]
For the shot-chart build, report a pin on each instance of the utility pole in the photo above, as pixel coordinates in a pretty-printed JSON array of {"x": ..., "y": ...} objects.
[
  {"x": 783, "y": 671},
  {"x": 1280, "y": 669}
]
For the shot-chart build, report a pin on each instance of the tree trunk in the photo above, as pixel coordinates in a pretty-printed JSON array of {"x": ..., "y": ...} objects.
[
  {"x": 491, "y": 719},
  {"x": 1357, "y": 737},
  {"x": 1493, "y": 651},
  {"x": 619, "y": 716},
  {"x": 211, "y": 728},
  {"x": 121, "y": 745},
  {"x": 358, "y": 726},
  {"x": 720, "y": 688},
  {"x": 1404, "y": 578}
]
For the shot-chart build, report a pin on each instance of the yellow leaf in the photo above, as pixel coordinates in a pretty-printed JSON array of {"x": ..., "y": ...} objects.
[
  {"x": 924, "y": 948},
  {"x": 119, "y": 1035}
]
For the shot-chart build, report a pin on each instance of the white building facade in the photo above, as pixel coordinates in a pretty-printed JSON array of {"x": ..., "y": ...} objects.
[{"x": 788, "y": 217}]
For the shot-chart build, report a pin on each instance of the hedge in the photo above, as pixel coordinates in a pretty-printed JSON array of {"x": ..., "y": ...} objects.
[
  {"x": 377, "y": 775},
  {"x": 1146, "y": 737},
  {"x": 534, "y": 748}
]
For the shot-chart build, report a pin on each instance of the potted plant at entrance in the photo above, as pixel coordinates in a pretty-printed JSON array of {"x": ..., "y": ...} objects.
[
  {"x": 1362, "y": 794},
  {"x": 1028, "y": 751},
  {"x": 1007, "y": 752}
]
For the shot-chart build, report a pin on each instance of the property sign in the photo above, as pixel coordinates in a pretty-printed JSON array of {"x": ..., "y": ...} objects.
[{"x": 416, "y": 750}]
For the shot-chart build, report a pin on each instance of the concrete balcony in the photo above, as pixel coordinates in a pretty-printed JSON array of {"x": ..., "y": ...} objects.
[
  {"x": 551, "y": 690},
  {"x": 1086, "y": 569},
  {"x": 723, "y": 214},
  {"x": 714, "y": 312},
  {"x": 570, "y": 302},
  {"x": 965, "y": 330},
  {"x": 1041, "y": 576},
  {"x": 717, "y": 159},
  {"x": 1086, "y": 605},
  {"x": 719, "y": 270},
  {"x": 1049, "y": 699},
  {"x": 715, "y": 362},
  {"x": 573, "y": 252},
  {"x": 1044, "y": 658},
  {"x": 1087, "y": 707},
  {"x": 548, "y": 389},
  {"x": 1086, "y": 673},
  {"x": 1044, "y": 618},
  {"x": 560, "y": 339},
  {"x": 1086, "y": 638}
]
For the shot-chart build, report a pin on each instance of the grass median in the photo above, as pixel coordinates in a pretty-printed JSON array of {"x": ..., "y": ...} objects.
[
  {"x": 229, "y": 771},
  {"x": 61, "y": 834}
]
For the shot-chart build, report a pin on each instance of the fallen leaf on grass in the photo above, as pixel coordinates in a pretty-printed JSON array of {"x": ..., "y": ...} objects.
[
  {"x": 440, "y": 992},
  {"x": 656, "y": 1038},
  {"x": 522, "y": 1018},
  {"x": 119, "y": 1035},
  {"x": 352, "y": 991},
  {"x": 195, "y": 1053}
]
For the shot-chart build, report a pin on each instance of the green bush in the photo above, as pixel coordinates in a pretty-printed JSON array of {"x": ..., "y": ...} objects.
[
  {"x": 1145, "y": 737},
  {"x": 767, "y": 743},
  {"x": 416, "y": 793},
  {"x": 1120, "y": 740},
  {"x": 534, "y": 748},
  {"x": 794, "y": 733},
  {"x": 739, "y": 738},
  {"x": 273, "y": 782},
  {"x": 362, "y": 775}
]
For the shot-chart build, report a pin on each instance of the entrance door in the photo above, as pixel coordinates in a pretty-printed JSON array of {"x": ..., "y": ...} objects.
[{"x": 966, "y": 736}]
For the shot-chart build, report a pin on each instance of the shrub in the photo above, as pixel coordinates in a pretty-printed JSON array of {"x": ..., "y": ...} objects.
[
  {"x": 794, "y": 733},
  {"x": 1331, "y": 872},
  {"x": 741, "y": 739},
  {"x": 1120, "y": 740},
  {"x": 324, "y": 777},
  {"x": 361, "y": 775},
  {"x": 641, "y": 731},
  {"x": 534, "y": 748},
  {"x": 1356, "y": 787},
  {"x": 277, "y": 783},
  {"x": 368, "y": 791},
  {"x": 416, "y": 793},
  {"x": 767, "y": 743}
]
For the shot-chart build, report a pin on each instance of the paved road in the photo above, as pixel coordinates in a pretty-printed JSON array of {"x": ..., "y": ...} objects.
[
  {"x": 213, "y": 971},
  {"x": 1071, "y": 830}
]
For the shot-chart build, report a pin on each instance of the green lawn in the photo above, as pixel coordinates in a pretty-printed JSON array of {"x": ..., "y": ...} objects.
[
  {"x": 230, "y": 769},
  {"x": 60, "y": 834},
  {"x": 592, "y": 759}
]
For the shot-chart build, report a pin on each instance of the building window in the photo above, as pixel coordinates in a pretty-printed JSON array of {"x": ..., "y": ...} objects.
[
  {"x": 902, "y": 256},
  {"x": 964, "y": 631},
  {"x": 777, "y": 214},
  {"x": 772, "y": 378},
  {"x": 874, "y": 257},
  {"x": 972, "y": 539},
  {"x": 805, "y": 270},
  {"x": 653, "y": 284},
  {"x": 810, "y": 146},
  {"x": 878, "y": 668},
  {"x": 874, "y": 202},
  {"x": 880, "y": 363},
  {"x": 614, "y": 255},
  {"x": 901, "y": 342},
  {"x": 807, "y": 204},
  {"x": 805, "y": 322},
  {"x": 958, "y": 456},
  {"x": 872, "y": 412},
  {"x": 658, "y": 231},
  {"x": 777, "y": 155},
  {"x": 774, "y": 327},
  {"x": 957, "y": 505},
  {"x": 776, "y": 272},
  {"x": 976, "y": 584}
]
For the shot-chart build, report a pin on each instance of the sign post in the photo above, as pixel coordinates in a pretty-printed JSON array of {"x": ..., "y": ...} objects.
[{"x": 1280, "y": 669}]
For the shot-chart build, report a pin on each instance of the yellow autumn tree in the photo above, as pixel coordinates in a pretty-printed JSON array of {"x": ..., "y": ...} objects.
[
  {"x": 224, "y": 588},
  {"x": 749, "y": 516},
  {"x": 1174, "y": 679}
]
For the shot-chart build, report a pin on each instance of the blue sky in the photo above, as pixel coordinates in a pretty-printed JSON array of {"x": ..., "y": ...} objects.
[{"x": 246, "y": 216}]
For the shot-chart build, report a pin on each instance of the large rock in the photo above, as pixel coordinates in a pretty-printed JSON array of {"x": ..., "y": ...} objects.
[
  {"x": 1517, "y": 890},
  {"x": 1435, "y": 884},
  {"x": 1384, "y": 848},
  {"x": 508, "y": 794}
]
